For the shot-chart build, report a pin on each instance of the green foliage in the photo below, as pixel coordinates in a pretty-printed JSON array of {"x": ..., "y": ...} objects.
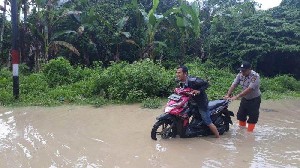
[
  {"x": 133, "y": 82},
  {"x": 268, "y": 39},
  {"x": 59, "y": 72},
  {"x": 34, "y": 84},
  {"x": 219, "y": 79},
  {"x": 6, "y": 92},
  {"x": 151, "y": 103},
  {"x": 142, "y": 81},
  {"x": 63, "y": 94},
  {"x": 226, "y": 32},
  {"x": 280, "y": 84}
]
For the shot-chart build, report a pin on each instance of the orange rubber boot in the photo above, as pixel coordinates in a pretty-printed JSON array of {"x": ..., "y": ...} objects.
[
  {"x": 251, "y": 127},
  {"x": 242, "y": 123}
]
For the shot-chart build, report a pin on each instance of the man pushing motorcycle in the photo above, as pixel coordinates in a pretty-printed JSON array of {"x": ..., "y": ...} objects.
[
  {"x": 198, "y": 87},
  {"x": 251, "y": 95}
]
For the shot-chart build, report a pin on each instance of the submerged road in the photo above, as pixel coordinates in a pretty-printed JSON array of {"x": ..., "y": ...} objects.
[{"x": 119, "y": 137}]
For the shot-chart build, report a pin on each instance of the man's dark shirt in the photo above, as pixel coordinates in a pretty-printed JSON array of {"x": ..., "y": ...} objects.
[{"x": 196, "y": 83}]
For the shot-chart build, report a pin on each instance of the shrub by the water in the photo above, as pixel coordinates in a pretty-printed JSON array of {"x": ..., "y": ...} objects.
[{"x": 134, "y": 82}]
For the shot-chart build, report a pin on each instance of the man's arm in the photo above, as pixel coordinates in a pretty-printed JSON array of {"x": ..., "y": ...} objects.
[
  {"x": 230, "y": 90},
  {"x": 243, "y": 93},
  {"x": 200, "y": 85},
  {"x": 203, "y": 85},
  {"x": 233, "y": 86}
]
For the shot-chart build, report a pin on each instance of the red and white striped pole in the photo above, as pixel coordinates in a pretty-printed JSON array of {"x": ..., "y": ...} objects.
[{"x": 15, "y": 48}]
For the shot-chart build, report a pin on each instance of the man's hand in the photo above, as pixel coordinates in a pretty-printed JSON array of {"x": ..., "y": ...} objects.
[
  {"x": 234, "y": 98},
  {"x": 195, "y": 92},
  {"x": 226, "y": 97}
]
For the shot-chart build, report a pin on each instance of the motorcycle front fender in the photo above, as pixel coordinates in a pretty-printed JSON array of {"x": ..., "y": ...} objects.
[{"x": 164, "y": 116}]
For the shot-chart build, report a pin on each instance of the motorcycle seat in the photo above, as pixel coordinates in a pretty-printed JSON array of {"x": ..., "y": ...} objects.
[{"x": 214, "y": 104}]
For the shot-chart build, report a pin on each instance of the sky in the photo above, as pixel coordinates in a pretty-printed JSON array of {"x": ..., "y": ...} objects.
[{"x": 266, "y": 4}]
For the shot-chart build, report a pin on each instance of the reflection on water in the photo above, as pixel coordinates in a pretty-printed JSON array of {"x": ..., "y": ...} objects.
[
  {"x": 69, "y": 137},
  {"x": 7, "y": 130},
  {"x": 160, "y": 148}
]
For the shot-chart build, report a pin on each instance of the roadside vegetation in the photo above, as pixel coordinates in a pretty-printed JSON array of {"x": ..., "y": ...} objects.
[
  {"x": 143, "y": 82},
  {"x": 103, "y": 51}
]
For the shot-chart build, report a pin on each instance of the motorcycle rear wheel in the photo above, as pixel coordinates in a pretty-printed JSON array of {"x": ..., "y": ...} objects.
[{"x": 164, "y": 129}]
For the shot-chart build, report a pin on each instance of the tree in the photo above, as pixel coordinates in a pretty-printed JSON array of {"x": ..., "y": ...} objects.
[
  {"x": 42, "y": 25},
  {"x": 3, "y": 22},
  {"x": 268, "y": 39}
]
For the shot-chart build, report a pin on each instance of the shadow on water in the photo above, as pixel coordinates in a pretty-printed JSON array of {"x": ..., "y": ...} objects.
[{"x": 118, "y": 137}]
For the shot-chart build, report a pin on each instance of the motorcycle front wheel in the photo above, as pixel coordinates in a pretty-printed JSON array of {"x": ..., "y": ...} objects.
[{"x": 164, "y": 129}]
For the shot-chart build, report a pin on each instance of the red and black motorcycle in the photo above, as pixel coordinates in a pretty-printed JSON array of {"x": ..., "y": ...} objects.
[{"x": 181, "y": 117}]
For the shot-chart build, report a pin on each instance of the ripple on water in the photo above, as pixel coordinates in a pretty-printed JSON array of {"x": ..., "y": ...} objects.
[
  {"x": 271, "y": 133},
  {"x": 32, "y": 136},
  {"x": 273, "y": 147},
  {"x": 263, "y": 158},
  {"x": 209, "y": 163}
]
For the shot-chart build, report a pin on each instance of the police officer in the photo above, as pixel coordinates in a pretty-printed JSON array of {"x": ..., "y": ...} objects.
[
  {"x": 199, "y": 86},
  {"x": 251, "y": 95}
]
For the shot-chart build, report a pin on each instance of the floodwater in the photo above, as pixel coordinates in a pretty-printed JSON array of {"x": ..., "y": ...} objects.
[{"x": 118, "y": 136}]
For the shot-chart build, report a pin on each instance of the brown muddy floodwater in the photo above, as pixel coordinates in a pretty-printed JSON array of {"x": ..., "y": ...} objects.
[{"x": 119, "y": 137}]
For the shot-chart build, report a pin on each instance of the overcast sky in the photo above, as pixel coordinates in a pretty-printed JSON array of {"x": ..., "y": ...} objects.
[{"x": 266, "y": 4}]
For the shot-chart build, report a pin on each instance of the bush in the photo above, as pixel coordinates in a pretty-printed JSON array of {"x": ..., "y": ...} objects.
[
  {"x": 280, "y": 84},
  {"x": 34, "y": 84},
  {"x": 149, "y": 78},
  {"x": 59, "y": 72},
  {"x": 6, "y": 87},
  {"x": 133, "y": 82},
  {"x": 84, "y": 88},
  {"x": 6, "y": 97},
  {"x": 279, "y": 87},
  {"x": 64, "y": 94},
  {"x": 124, "y": 82}
]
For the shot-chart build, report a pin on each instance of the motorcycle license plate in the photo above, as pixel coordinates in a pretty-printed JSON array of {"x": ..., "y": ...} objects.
[{"x": 175, "y": 97}]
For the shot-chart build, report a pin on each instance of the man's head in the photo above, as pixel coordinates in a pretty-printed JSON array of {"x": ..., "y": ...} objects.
[
  {"x": 245, "y": 68},
  {"x": 182, "y": 73}
]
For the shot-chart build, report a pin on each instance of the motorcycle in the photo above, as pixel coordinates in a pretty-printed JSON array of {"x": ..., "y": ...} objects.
[{"x": 181, "y": 117}]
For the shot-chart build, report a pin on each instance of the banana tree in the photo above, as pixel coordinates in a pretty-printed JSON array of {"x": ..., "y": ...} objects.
[
  {"x": 188, "y": 21},
  {"x": 152, "y": 21},
  {"x": 41, "y": 26},
  {"x": 112, "y": 33}
]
